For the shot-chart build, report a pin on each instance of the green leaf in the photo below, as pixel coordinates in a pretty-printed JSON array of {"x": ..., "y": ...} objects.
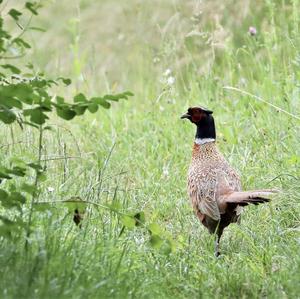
[
  {"x": 42, "y": 92},
  {"x": 12, "y": 68},
  {"x": 6, "y": 221},
  {"x": 115, "y": 206},
  {"x": 139, "y": 218},
  {"x": 293, "y": 160},
  {"x": 31, "y": 189},
  {"x": 9, "y": 102},
  {"x": 80, "y": 109},
  {"x": 14, "y": 199},
  {"x": 155, "y": 229},
  {"x": 30, "y": 66},
  {"x": 49, "y": 128},
  {"x": 7, "y": 203},
  {"x": 117, "y": 97},
  {"x": 128, "y": 221},
  {"x": 3, "y": 194},
  {"x": 35, "y": 166},
  {"x": 15, "y": 160},
  {"x": 40, "y": 83},
  {"x": 42, "y": 206},
  {"x": 7, "y": 226},
  {"x": 41, "y": 176},
  {"x": 12, "y": 188},
  {"x": 15, "y": 103},
  {"x": 101, "y": 101},
  {"x": 65, "y": 113},
  {"x": 17, "y": 197},
  {"x": 128, "y": 93},
  {"x": 7, "y": 116},
  {"x": 66, "y": 81},
  {"x": 111, "y": 97},
  {"x": 60, "y": 100},
  {"x": 74, "y": 203},
  {"x": 93, "y": 108},
  {"x": 166, "y": 247},
  {"x": 14, "y": 14},
  {"x": 80, "y": 98},
  {"x": 105, "y": 104},
  {"x": 156, "y": 241},
  {"x": 37, "y": 28},
  {"x": 21, "y": 43},
  {"x": 17, "y": 170},
  {"x": 36, "y": 115},
  {"x": 22, "y": 91},
  {"x": 4, "y": 174},
  {"x": 32, "y": 7}
]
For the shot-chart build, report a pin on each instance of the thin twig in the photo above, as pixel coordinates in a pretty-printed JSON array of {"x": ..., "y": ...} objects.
[
  {"x": 12, "y": 57},
  {"x": 261, "y": 100},
  {"x": 282, "y": 175},
  {"x": 60, "y": 158},
  {"x": 108, "y": 178},
  {"x": 34, "y": 195},
  {"x": 71, "y": 134},
  {"x": 102, "y": 170},
  {"x": 83, "y": 201}
]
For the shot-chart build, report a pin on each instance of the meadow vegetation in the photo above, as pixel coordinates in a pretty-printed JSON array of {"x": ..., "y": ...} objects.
[{"x": 134, "y": 156}]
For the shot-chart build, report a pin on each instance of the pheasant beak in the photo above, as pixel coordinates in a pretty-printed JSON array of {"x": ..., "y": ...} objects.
[{"x": 186, "y": 115}]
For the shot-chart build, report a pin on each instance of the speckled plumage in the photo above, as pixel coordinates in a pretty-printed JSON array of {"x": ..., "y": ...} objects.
[{"x": 209, "y": 178}]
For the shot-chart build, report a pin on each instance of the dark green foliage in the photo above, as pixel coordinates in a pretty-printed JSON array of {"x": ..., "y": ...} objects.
[
  {"x": 14, "y": 14},
  {"x": 32, "y": 7},
  {"x": 36, "y": 93}
]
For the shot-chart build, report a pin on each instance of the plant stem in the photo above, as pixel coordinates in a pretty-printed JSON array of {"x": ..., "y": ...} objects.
[{"x": 35, "y": 193}]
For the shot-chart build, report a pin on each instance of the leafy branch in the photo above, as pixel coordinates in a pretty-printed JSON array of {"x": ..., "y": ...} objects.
[
  {"x": 26, "y": 98},
  {"x": 158, "y": 239}
]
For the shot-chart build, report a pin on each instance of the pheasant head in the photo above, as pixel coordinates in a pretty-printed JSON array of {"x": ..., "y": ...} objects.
[{"x": 204, "y": 121}]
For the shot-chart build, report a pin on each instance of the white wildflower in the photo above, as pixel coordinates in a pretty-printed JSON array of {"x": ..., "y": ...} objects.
[
  {"x": 170, "y": 80},
  {"x": 50, "y": 189},
  {"x": 243, "y": 82},
  {"x": 171, "y": 101},
  {"x": 167, "y": 72},
  {"x": 165, "y": 171}
]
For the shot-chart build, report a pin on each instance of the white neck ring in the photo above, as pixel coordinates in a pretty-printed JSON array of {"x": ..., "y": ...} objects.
[{"x": 201, "y": 141}]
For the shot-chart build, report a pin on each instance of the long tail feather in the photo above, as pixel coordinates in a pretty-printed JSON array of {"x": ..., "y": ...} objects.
[{"x": 243, "y": 198}]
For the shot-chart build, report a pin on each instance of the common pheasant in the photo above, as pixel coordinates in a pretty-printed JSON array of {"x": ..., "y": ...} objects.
[{"x": 214, "y": 186}]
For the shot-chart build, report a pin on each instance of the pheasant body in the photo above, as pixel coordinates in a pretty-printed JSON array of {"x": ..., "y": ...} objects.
[
  {"x": 209, "y": 177},
  {"x": 214, "y": 187}
]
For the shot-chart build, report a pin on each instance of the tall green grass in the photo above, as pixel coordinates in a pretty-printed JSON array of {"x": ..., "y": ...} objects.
[{"x": 107, "y": 46}]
